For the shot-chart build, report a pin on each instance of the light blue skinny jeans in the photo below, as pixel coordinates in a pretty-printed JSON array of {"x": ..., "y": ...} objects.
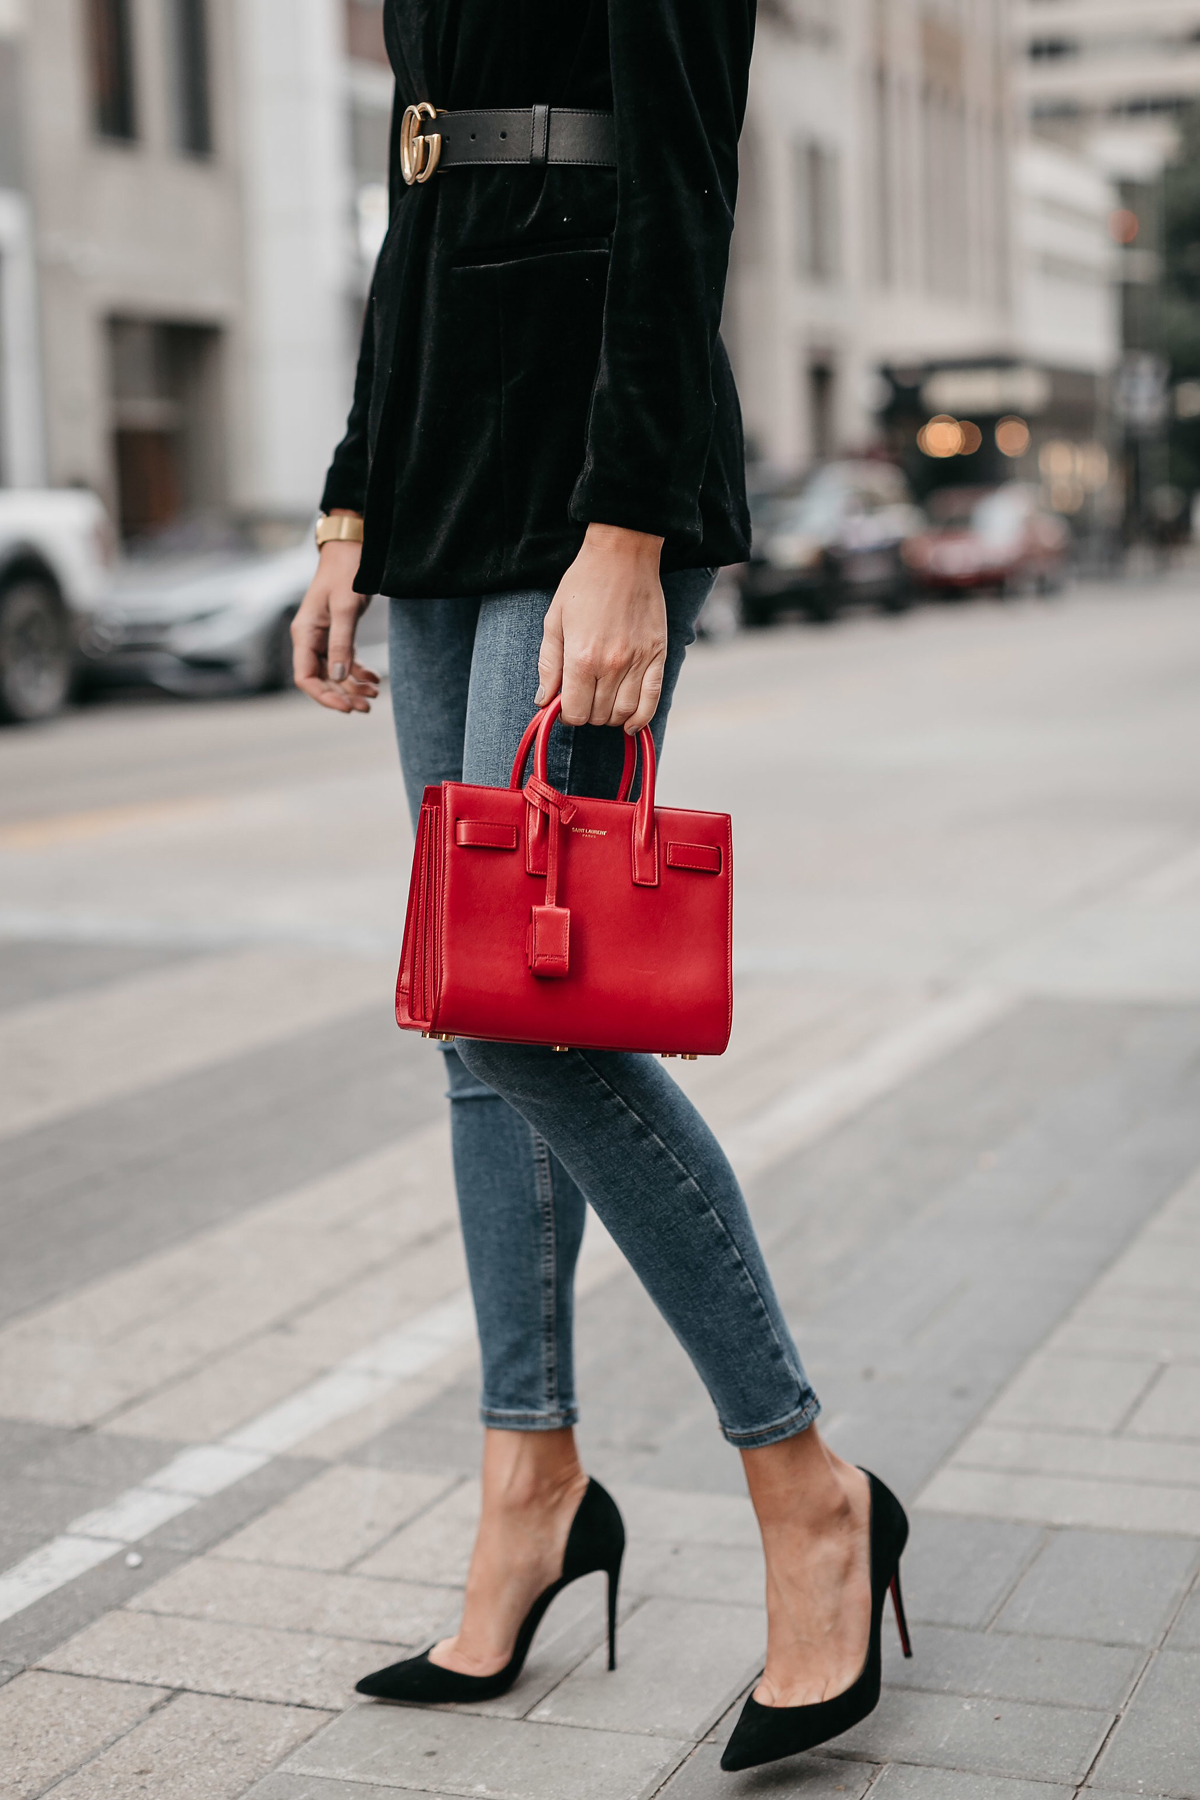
[{"x": 537, "y": 1134}]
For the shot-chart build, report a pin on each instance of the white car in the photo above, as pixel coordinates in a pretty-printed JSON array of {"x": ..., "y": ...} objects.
[
  {"x": 57, "y": 550},
  {"x": 212, "y": 624}
]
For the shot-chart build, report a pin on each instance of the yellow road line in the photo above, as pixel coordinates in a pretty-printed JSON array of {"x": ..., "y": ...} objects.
[{"x": 73, "y": 828}]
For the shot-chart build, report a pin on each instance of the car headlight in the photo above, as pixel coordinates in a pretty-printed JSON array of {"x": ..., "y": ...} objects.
[
  {"x": 793, "y": 550},
  {"x": 202, "y": 618}
]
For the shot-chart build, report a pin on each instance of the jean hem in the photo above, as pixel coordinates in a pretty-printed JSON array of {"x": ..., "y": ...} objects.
[
  {"x": 775, "y": 1433},
  {"x": 558, "y": 1420}
]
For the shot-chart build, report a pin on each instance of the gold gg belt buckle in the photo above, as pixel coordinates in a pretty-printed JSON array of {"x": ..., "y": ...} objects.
[{"x": 419, "y": 152}]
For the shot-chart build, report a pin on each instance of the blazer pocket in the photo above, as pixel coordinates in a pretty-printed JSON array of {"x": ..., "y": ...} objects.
[{"x": 549, "y": 307}]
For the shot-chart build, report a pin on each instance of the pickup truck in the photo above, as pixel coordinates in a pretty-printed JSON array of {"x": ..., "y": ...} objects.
[{"x": 57, "y": 552}]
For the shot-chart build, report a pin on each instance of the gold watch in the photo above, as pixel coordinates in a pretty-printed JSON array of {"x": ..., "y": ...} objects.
[{"x": 346, "y": 528}]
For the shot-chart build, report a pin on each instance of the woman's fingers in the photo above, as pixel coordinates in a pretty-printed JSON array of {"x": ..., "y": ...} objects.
[
  {"x": 628, "y": 695},
  {"x": 323, "y": 629},
  {"x": 578, "y": 692},
  {"x": 343, "y": 623},
  {"x": 550, "y": 656},
  {"x": 649, "y": 697}
]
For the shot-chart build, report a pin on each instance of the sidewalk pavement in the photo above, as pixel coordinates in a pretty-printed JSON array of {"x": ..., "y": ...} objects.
[
  {"x": 1056, "y": 1526},
  {"x": 237, "y": 1382}
]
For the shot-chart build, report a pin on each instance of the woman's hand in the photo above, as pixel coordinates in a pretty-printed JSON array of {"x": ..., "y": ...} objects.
[
  {"x": 604, "y": 642},
  {"x": 323, "y": 635}
]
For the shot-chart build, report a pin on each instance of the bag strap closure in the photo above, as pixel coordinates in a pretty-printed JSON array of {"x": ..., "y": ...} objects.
[{"x": 645, "y": 835}]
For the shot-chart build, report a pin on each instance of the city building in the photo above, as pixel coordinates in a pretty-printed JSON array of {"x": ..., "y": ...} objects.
[
  {"x": 193, "y": 192},
  {"x": 903, "y": 250},
  {"x": 1111, "y": 68},
  {"x": 1111, "y": 79},
  {"x": 189, "y": 196}
]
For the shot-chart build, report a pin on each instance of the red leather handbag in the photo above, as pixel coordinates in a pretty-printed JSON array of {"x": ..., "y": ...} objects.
[{"x": 535, "y": 917}]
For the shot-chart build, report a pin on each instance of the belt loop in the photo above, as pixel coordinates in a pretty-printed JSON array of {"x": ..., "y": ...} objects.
[{"x": 541, "y": 135}]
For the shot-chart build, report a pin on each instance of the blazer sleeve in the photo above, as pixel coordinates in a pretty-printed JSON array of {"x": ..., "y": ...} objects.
[
  {"x": 346, "y": 481},
  {"x": 680, "y": 70}
]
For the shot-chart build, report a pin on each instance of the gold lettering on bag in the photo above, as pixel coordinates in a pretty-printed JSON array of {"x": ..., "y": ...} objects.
[{"x": 586, "y": 831}]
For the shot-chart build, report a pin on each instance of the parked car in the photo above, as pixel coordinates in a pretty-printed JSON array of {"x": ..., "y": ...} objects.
[
  {"x": 57, "y": 549},
  {"x": 1003, "y": 539},
  {"x": 835, "y": 543},
  {"x": 212, "y": 624}
]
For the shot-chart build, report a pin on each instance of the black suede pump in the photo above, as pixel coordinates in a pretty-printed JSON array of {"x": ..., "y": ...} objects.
[
  {"x": 766, "y": 1733},
  {"x": 596, "y": 1543}
]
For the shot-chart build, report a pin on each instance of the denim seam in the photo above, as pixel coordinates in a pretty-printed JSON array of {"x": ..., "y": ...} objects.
[
  {"x": 514, "y": 1419},
  {"x": 791, "y": 1425},
  {"x": 545, "y": 1198},
  {"x": 691, "y": 1180}
]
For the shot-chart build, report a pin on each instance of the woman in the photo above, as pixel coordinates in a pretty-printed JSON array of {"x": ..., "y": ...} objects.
[{"x": 543, "y": 464}]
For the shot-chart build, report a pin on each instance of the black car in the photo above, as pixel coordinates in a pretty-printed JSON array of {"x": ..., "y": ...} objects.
[{"x": 835, "y": 543}]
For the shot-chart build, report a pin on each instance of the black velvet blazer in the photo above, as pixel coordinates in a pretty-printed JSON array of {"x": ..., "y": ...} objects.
[{"x": 541, "y": 346}]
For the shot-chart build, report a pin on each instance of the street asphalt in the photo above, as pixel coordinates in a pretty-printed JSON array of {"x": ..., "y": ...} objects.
[{"x": 237, "y": 1375}]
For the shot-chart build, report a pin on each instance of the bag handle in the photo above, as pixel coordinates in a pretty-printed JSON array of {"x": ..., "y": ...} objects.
[
  {"x": 645, "y": 837},
  {"x": 517, "y": 778}
]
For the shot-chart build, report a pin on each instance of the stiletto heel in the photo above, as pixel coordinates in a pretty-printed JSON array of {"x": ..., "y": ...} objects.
[
  {"x": 901, "y": 1621},
  {"x": 766, "y": 1733},
  {"x": 596, "y": 1543},
  {"x": 614, "y": 1576}
]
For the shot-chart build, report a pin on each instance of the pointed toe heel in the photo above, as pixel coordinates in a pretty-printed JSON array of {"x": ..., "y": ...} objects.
[
  {"x": 766, "y": 1734},
  {"x": 595, "y": 1544}
]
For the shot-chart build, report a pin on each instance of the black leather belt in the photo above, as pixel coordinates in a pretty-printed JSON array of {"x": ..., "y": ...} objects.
[{"x": 531, "y": 135}]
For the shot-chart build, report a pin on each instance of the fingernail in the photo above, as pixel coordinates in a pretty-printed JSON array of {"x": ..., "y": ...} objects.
[
  {"x": 338, "y": 672},
  {"x": 539, "y": 696}
]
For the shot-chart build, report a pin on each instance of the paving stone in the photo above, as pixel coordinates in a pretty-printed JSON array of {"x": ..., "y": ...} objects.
[
  {"x": 332, "y": 1605},
  {"x": 907, "y": 1783},
  {"x": 337, "y": 1518},
  {"x": 1123, "y": 1459},
  {"x": 214, "y": 1521},
  {"x": 49, "y": 1724},
  {"x": 680, "y": 1665},
  {"x": 225, "y": 1392},
  {"x": 1154, "y": 1265},
  {"x": 1172, "y": 1408},
  {"x": 32, "y": 1511},
  {"x": 1091, "y": 1393},
  {"x": 113, "y": 1184},
  {"x": 993, "y": 1737},
  {"x": 494, "y": 1759},
  {"x": 695, "y": 1572},
  {"x": 1113, "y": 1587},
  {"x": 29, "y": 1635},
  {"x": 1185, "y": 1633},
  {"x": 9, "y": 1672},
  {"x": 1063, "y": 1500},
  {"x": 957, "y": 1571},
  {"x": 1156, "y": 1746},
  {"x": 100, "y": 1460},
  {"x": 353, "y": 1438},
  {"x": 665, "y": 1515},
  {"x": 316, "y": 1787},
  {"x": 23, "y": 1440},
  {"x": 1053, "y": 1670},
  {"x": 436, "y": 1546},
  {"x": 197, "y": 1747},
  {"x": 288, "y": 1667},
  {"x": 807, "y": 1777}
]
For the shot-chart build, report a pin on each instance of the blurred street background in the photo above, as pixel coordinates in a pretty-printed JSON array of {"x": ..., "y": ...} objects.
[{"x": 953, "y": 703}]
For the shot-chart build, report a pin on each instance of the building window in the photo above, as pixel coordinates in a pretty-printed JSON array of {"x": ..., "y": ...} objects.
[
  {"x": 192, "y": 109},
  {"x": 817, "y": 221},
  {"x": 110, "y": 51},
  {"x": 168, "y": 438},
  {"x": 821, "y": 399}
]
